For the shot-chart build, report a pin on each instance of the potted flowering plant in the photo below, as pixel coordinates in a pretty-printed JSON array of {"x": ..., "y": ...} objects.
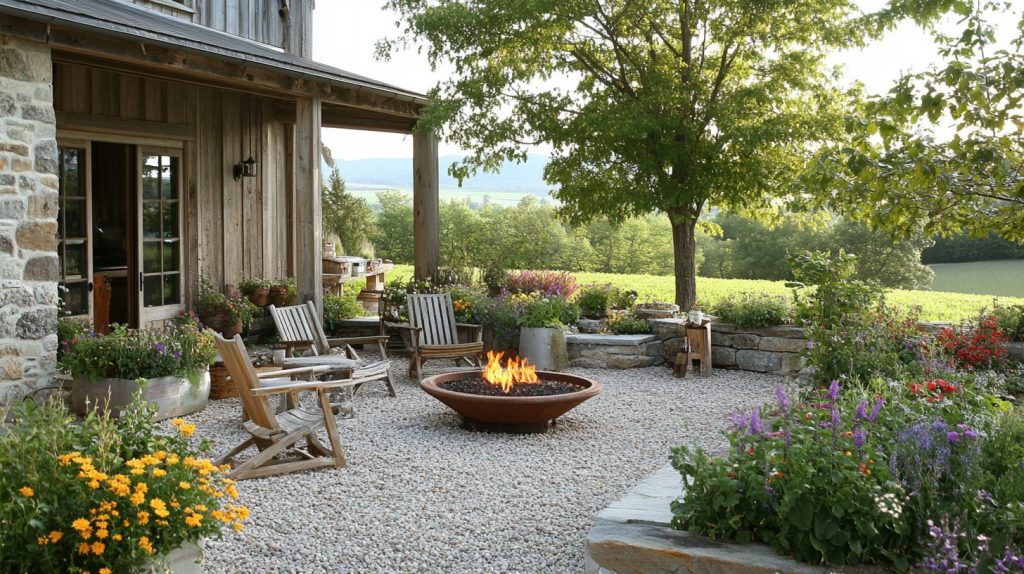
[
  {"x": 107, "y": 495},
  {"x": 257, "y": 290},
  {"x": 541, "y": 338},
  {"x": 225, "y": 313},
  {"x": 173, "y": 363}
]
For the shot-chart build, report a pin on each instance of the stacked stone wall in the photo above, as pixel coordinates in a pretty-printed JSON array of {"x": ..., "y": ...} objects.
[{"x": 28, "y": 219}]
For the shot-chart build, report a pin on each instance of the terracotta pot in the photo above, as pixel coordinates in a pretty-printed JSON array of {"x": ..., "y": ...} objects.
[
  {"x": 279, "y": 296},
  {"x": 260, "y": 297},
  {"x": 222, "y": 323}
]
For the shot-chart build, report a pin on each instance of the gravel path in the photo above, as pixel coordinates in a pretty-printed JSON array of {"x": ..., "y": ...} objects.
[{"x": 423, "y": 495}]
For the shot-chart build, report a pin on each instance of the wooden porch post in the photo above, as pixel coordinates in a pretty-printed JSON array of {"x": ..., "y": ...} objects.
[
  {"x": 308, "y": 222},
  {"x": 425, "y": 200}
]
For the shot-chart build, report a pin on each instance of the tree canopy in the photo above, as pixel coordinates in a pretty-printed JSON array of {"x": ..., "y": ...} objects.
[
  {"x": 346, "y": 216},
  {"x": 943, "y": 150},
  {"x": 662, "y": 105}
]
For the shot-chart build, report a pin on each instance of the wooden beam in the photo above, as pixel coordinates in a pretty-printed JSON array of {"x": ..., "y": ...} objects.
[
  {"x": 108, "y": 125},
  {"x": 426, "y": 206},
  {"x": 307, "y": 214}
]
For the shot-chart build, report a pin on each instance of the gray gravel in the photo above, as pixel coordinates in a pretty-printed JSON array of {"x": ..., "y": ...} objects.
[{"x": 423, "y": 495}]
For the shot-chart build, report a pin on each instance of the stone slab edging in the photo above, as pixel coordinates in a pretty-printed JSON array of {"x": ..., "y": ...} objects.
[
  {"x": 633, "y": 536},
  {"x": 600, "y": 339}
]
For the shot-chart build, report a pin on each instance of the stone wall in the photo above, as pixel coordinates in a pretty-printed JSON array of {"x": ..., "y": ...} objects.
[{"x": 28, "y": 224}]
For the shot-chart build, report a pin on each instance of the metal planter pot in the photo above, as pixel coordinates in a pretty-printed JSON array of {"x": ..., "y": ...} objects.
[
  {"x": 545, "y": 348},
  {"x": 173, "y": 396}
]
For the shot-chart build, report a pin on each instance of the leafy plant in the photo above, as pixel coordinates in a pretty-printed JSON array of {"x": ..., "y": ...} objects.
[
  {"x": 750, "y": 310},
  {"x": 539, "y": 311},
  {"x": 69, "y": 331},
  {"x": 1010, "y": 320},
  {"x": 181, "y": 350},
  {"x": 338, "y": 308},
  {"x": 981, "y": 347},
  {"x": 250, "y": 284},
  {"x": 104, "y": 495},
  {"x": 596, "y": 300},
  {"x": 211, "y": 302},
  {"x": 627, "y": 324}
]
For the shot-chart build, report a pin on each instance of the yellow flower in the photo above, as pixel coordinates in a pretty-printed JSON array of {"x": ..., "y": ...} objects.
[
  {"x": 142, "y": 517},
  {"x": 116, "y": 537},
  {"x": 177, "y": 422},
  {"x": 145, "y": 544},
  {"x": 194, "y": 519},
  {"x": 187, "y": 430},
  {"x": 26, "y": 491},
  {"x": 98, "y": 547},
  {"x": 106, "y": 571},
  {"x": 94, "y": 484},
  {"x": 80, "y": 524},
  {"x": 42, "y": 541},
  {"x": 83, "y": 548},
  {"x": 184, "y": 485},
  {"x": 159, "y": 507},
  {"x": 159, "y": 472},
  {"x": 101, "y": 533},
  {"x": 56, "y": 535},
  {"x": 237, "y": 526}
]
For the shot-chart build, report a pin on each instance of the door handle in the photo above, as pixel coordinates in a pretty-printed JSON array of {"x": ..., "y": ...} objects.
[
  {"x": 140, "y": 281},
  {"x": 89, "y": 287}
]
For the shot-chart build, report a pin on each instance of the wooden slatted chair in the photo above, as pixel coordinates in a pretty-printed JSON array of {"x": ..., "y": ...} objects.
[
  {"x": 279, "y": 434},
  {"x": 299, "y": 329},
  {"x": 436, "y": 334}
]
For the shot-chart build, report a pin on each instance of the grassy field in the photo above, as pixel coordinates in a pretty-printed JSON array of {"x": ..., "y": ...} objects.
[
  {"x": 1004, "y": 278},
  {"x": 935, "y": 306}
]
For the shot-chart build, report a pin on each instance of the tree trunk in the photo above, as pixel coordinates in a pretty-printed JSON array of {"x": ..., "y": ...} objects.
[{"x": 684, "y": 250}]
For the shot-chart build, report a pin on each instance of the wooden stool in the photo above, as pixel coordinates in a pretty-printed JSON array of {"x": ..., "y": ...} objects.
[{"x": 698, "y": 340}]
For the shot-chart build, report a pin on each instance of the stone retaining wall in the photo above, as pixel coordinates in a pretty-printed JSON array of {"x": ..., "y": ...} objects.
[{"x": 28, "y": 219}]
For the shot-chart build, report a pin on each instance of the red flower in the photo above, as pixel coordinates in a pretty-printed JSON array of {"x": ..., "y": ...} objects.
[
  {"x": 931, "y": 385},
  {"x": 915, "y": 388}
]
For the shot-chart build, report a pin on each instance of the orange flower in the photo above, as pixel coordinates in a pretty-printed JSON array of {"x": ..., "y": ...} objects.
[
  {"x": 26, "y": 491},
  {"x": 865, "y": 470}
]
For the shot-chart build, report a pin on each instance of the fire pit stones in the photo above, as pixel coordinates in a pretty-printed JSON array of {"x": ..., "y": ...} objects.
[{"x": 511, "y": 414}]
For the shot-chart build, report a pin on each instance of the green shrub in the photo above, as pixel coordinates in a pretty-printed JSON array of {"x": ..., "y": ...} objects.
[
  {"x": 103, "y": 493},
  {"x": 596, "y": 300},
  {"x": 68, "y": 333},
  {"x": 539, "y": 311},
  {"x": 750, "y": 310},
  {"x": 627, "y": 324},
  {"x": 338, "y": 308},
  {"x": 1010, "y": 319}
]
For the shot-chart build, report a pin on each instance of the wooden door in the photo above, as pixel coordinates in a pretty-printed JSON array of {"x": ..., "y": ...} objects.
[{"x": 159, "y": 238}]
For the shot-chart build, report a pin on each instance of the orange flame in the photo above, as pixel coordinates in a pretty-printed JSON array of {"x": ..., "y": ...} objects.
[{"x": 516, "y": 370}]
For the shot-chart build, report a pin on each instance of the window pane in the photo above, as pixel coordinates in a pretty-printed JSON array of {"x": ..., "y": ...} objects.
[
  {"x": 171, "y": 219},
  {"x": 151, "y": 257},
  {"x": 169, "y": 177},
  {"x": 152, "y": 288},
  {"x": 74, "y": 261},
  {"x": 71, "y": 172},
  {"x": 151, "y": 177},
  {"x": 172, "y": 289},
  {"x": 75, "y": 297},
  {"x": 172, "y": 255},
  {"x": 151, "y": 219},
  {"x": 74, "y": 217}
]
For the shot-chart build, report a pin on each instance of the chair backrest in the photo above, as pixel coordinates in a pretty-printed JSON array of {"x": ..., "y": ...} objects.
[
  {"x": 435, "y": 316},
  {"x": 300, "y": 323},
  {"x": 241, "y": 371}
]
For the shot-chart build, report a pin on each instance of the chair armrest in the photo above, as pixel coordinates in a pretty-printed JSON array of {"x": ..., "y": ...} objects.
[
  {"x": 295, "y": 386},
  {"x": 403, "y": 327},
  {"x": 290, "y": 372},
  {"x": 357, "y": 340}
]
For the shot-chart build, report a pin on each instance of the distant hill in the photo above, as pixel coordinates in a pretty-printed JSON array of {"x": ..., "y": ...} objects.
[{"x": 525, "y": 177}]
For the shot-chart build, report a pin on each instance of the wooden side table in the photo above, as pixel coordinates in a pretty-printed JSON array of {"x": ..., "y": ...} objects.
[{"x": 698, "y": 342}]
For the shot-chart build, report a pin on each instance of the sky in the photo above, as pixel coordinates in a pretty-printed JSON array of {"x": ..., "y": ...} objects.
[{"x": 345, "y": 31}]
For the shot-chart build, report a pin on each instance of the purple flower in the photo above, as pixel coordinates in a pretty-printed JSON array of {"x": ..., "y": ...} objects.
[
  {"x": 876, "y": 409},
  {"x": 177, "y": 354},
  {"x": 833, "y": 389},
  {"x": 755, "y": 427},
  {"x": 859, "y": 437},
  {"x": 782, "y": 397},
  {"x": 968, "y": 432},
  {"x": 811, "y": 345},
  {"x": 953, "y": 436},
  {"x": 835, "y": 419},
  {"x": 984, "y": 495},
  {"x": 159, "y": 347},
  {"x": 862, "y": 410}
]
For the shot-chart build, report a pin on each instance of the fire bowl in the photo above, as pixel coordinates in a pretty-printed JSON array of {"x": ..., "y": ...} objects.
[{"x": 511, "y": 414}]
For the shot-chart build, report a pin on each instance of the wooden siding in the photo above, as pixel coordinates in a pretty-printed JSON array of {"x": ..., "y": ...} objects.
[{"x": 235, "y": 229}]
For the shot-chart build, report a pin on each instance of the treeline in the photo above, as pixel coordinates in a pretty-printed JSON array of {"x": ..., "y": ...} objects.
[
  {"x": 963, "y": 248},
  {"x": 530, "y": 236}
]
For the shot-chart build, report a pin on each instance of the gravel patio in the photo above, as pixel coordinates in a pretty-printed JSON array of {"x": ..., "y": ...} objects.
[{"x": 423, "y": 495}]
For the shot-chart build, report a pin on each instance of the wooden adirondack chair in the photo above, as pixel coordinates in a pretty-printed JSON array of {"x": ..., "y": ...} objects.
[
  {"x": 436, "y": 334},
  {"x": 277, "y": 434},
  {"x": 299, "y": 328}
]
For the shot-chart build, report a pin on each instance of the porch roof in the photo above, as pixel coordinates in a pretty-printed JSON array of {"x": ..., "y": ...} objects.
[{"x": 134, "y": 22}]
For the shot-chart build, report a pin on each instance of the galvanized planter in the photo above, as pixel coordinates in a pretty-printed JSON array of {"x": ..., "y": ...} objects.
[
  {"x": 544, "y": 347},
  {"x": 173, "y": 396}
]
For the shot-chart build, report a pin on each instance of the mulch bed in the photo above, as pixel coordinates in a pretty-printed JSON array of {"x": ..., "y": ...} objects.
[{"x": 478, "y": 386}]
